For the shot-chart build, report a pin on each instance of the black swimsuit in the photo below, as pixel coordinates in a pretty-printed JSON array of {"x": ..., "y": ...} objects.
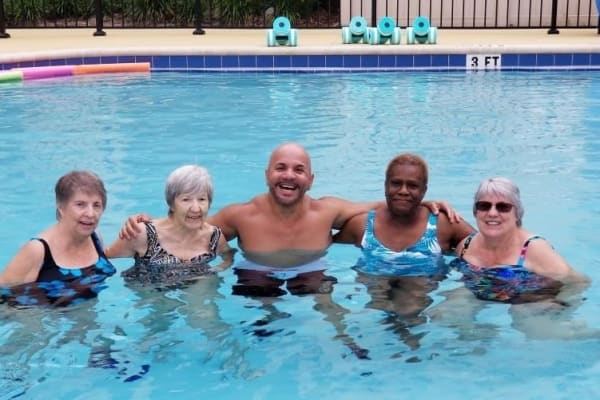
[
  {"x": 158, "y": 266},
  {"x": 60, "y": 286}
]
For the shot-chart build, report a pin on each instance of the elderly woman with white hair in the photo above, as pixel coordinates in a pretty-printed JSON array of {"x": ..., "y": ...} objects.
[
  {"x": 503, "y": 261},
  {"x": 180, "y": 246}
]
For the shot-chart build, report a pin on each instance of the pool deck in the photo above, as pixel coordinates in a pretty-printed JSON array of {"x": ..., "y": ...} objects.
[{"x": 46, "y": 43}]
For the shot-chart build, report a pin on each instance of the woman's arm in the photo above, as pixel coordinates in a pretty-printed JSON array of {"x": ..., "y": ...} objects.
[
  {"x": 25, "y": 265},
  {"x": 544, "y": 260},
  {"x": 226, "y": 253},
  {"x": 122, "y": 247}
]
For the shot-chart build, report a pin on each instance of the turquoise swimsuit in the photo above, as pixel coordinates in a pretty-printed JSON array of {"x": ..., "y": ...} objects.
[
  {"x": 424, "y": 258},
  {"x": 505, "y": 283}
]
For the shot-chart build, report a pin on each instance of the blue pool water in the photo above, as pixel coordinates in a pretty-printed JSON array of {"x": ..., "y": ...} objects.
[{"x": 540, "y": 129}]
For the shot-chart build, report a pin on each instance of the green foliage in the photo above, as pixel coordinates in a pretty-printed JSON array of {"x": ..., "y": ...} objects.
[
  {"x": 237, "y": 12},
  {"x": 61, "y": 9},
  {"x": 185, "y": 12},
  {"x": 23, "y": 12},
  {"x": 151, "y": 12},
  {"x": 159, "y": 13}
]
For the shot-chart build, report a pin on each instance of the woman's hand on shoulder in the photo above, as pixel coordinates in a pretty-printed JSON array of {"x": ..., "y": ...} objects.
[
  {"x": 132, "y": 226},
  {"x": 132, "y": 239},
  {"x": 437, "y": 206}
]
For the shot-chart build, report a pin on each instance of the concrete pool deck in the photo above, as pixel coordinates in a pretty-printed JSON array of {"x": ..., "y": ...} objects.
[{"x": 47, "y": 43}]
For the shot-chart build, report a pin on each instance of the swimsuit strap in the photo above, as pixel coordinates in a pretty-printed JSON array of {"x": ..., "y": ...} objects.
[
  {"x": 98, "y": 245},
  {"x": 48, "y": 259},
  {"x": 369, "y": 235},
  {"x": 371, "y": 222},
  {"x": 151, "y": 239},
  {"x": 521, "y": 259},
  {"x": 466, "y": 245},
  {"x": 432, "y": 221},
  {"x": 214, "y": 240}
]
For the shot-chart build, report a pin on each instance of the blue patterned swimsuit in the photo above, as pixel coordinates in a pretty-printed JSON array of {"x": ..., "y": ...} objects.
[
  {"x": 505, "y": 283},
  {"x": 60, "y": 286},
  {"x": 424, "y": 258}
]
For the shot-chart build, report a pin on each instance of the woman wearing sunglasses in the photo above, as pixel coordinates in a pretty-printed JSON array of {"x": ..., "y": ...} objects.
[{"x": 503, "y": 261}]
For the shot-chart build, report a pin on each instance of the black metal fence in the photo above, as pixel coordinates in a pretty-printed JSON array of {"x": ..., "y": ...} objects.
[
  {"x": 198, "y": 14},
  {"x": 465, "y": 14}
]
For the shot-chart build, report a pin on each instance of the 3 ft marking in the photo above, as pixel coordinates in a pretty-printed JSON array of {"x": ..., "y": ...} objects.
[{"x": 484, "y": 61}]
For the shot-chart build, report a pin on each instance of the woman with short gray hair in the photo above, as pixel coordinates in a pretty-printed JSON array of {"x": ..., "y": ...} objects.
[{"x": 180, "y": 246}]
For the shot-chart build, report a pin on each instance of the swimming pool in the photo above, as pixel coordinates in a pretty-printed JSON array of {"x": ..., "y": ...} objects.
[{"x": 539, "y": 129}]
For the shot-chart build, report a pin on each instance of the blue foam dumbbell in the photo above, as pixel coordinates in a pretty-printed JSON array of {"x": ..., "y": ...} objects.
[
  {"x": 421, "y": 32},
  {"x": 356, "y": 32},
  {"x": 385, "y": 31},
  {"x": 282, "y": 33}
]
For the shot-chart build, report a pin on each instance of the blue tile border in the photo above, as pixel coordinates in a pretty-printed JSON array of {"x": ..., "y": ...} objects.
[{"x": 335, "y": 62}]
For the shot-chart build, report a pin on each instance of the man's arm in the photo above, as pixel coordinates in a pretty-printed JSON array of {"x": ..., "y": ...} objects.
[
  {"x": 345, "y": 209},
  {"x": 226, "y": 220},
  {"x": 352, "y": 231}
]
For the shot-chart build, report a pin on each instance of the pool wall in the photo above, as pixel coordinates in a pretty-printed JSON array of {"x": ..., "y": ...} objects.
[{"x": 335, "y": 62}]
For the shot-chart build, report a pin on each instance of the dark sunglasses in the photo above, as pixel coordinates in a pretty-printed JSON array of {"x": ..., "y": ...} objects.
[{"x": 485, "y": 206}]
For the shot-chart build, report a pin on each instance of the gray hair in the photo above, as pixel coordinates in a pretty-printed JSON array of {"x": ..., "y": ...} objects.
[
  {"x": 501, "y": 187},
  {"x": 188, "y": 179}
]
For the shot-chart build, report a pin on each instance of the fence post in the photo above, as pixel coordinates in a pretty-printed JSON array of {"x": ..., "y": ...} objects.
[
  {"x": 198, "y": 15},
  {"x": 99, "y": 19},
  {"x": 3, "y": 34},
  {"x": 374, "y": 13},
  {"x": 553, "y": 30}
]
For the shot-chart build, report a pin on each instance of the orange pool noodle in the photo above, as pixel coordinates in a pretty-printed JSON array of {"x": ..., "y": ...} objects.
[{"x": 110, "y": 68}]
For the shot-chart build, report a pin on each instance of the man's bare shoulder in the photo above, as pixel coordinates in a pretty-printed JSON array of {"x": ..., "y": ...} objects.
[
  {"x": 229, "y": 217},
  {"x": 253, "y": 204}
]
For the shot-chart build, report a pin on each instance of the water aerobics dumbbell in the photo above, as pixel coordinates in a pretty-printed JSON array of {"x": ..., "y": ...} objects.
[
  {"x": 357, "y": 31},
  {"x": 421, "y": 32},
  {"x": 385, "y": 31},
  {"x": 282, "y": 34}
]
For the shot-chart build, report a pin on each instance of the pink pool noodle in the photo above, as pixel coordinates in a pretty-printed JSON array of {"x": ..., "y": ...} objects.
[{"x": 46, "y": 72}]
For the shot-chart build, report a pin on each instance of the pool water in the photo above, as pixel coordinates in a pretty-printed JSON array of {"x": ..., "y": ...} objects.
[{"x": 539, "y": 129}]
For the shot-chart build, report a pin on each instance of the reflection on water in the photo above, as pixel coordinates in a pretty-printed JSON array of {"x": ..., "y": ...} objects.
[{"x": 367, "y": 337}]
